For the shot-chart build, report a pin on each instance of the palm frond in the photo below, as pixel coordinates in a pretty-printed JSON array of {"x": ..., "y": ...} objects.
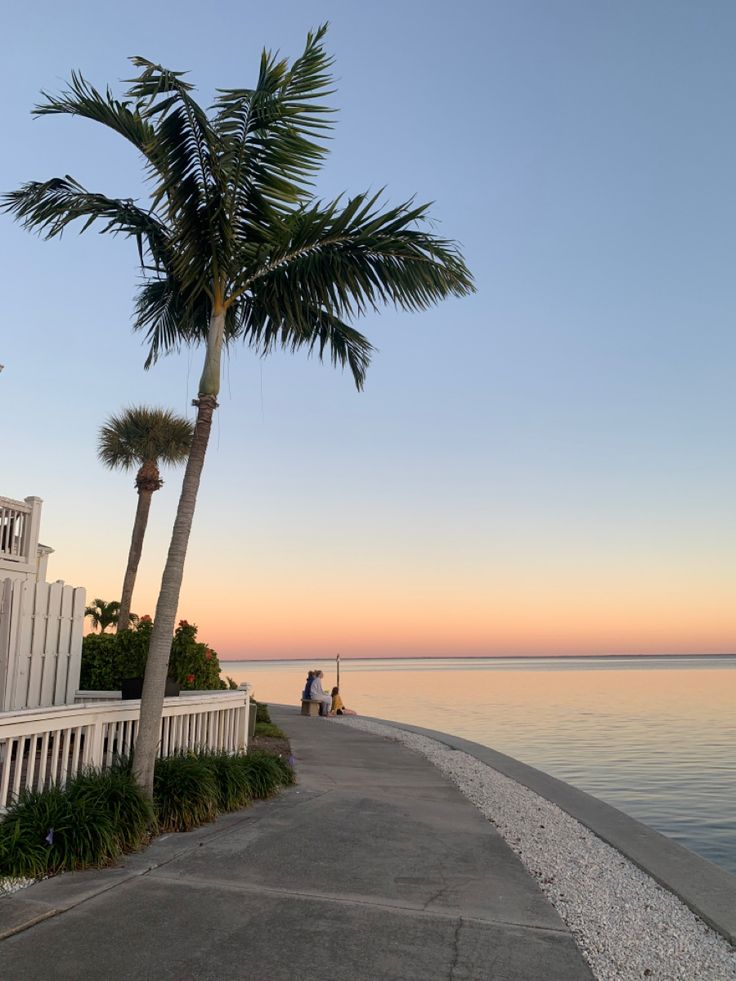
[
  {"x": 190, "y": 184},
  {"x": 265, "y": 326},
  {"x": 162, "y": 314},
  {"x": 273, "y": 135},
  {"x": 351, "y": 258},
  {"x": 140, "y": 434},
  {"x": 170, "y": 318},
  {"x": 82, "y": 99},
  {"x": 48, "y": 207},
  {"x": 155, "y": 81}
]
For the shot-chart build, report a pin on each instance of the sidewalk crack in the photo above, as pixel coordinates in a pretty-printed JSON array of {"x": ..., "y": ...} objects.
[{"x": 455, "y": 949}]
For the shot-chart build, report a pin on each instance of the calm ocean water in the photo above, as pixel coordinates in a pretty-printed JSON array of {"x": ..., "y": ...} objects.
[{"x": 655, "y": 737}]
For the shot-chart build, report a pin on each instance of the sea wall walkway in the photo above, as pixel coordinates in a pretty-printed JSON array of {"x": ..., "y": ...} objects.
[
  {"x": 373, "y": 867},
  {"x": 707, "y": 889}
]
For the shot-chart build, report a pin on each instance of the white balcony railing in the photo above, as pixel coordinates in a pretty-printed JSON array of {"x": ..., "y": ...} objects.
[
  {"x": 44, "y": 747},
  {"x": 15, "y": 520},
  {"x": 20, "y": 552}
]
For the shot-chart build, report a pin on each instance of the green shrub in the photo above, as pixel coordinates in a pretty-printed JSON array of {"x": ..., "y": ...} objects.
[
  {"x": 98, "y": 815},
  {"x": 288, "y": 776},
  {"x": 31, "y": 822},
  {"x": 266, "y": 776},
  {"x": 193, "y": 664},
  {"x": 109, "y": 658},
  {"x": 57, "y": 829},
  {"x": 262, "y": 712},
  {"x": 99, "y": 663},
  {"x": 270, "y": 730},
  {"x": 132, "y": 813},
  {"x": 233, "y": 785},
  {"x": 93, "y": 837},
  {"x": 185, "y": 793},
  {"x": 131, "y": 650}
]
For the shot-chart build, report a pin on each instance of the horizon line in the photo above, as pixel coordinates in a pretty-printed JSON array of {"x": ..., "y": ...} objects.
[{"x": 467, "y": 657}]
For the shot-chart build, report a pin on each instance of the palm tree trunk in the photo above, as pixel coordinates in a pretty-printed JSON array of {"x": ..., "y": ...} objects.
[
  {"x": 134, "y": 556},
  {"x": 159, "y": 651}
]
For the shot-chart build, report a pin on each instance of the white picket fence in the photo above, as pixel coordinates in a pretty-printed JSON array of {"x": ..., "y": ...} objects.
[
  {"x": 40, "y": 643},
  {"x": 41, "y": 748}
]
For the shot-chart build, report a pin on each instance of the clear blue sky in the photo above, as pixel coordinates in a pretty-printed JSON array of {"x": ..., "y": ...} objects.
[{"x": 545, "y": 467}]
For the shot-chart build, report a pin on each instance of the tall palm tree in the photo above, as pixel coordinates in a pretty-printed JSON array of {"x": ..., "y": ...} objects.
[
  {"x": 102, "y": 614},
  {"x": 142, "y": 437},
  {"x": 235, "y": 246}
]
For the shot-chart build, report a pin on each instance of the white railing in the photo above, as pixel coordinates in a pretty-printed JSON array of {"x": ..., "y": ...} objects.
[
  {"x": 87, "y": 695},
  {"x": 44, "y": 747},
  {"x": 20, "y": 523},
  {"x": 15, "y": 521}
]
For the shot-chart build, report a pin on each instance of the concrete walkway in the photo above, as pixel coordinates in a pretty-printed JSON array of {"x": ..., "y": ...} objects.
[{"x": 373, "y": 867}]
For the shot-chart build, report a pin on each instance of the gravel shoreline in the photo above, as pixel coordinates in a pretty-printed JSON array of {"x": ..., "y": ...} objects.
[{"x": 626, "y": 925}]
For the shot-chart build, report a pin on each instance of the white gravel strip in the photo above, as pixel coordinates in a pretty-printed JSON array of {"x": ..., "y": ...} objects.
[
  {"x": 13, "y": 885},
  {"x": 626, "y": 925}
]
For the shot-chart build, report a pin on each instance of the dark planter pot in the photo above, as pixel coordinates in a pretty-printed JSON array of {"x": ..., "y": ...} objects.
[{"x": 133, "y": 687}]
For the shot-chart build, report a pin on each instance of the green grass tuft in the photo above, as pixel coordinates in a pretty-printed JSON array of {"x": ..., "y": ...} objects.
[
  {"x": 87, "y": 824},
  {"x": 270, "y": 730},
  {"x": 132, "y": 813},
  {"x": 233, "y": 786},
  {"x": 288, "y": 777},
  {"x": 185, "y": 793},
  {"x": 262, "y": 712},
  {"x": 265, "y": 773},
  {"x": 24, "y": 851}
]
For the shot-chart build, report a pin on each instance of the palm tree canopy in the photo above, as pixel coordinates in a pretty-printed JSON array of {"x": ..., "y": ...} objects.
[
  {"x": 234, "y": 245},
  {"x": 141, "y": 434},
  {"x": 102, "y": 614},
  {"x": 233, "y": 227}
]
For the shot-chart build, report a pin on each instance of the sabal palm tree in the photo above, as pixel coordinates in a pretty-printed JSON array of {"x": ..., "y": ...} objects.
[
  {"x": 142, "y": 437},
  {"x": 235, "y": 246},
  {"x": 102, "y": 614}
]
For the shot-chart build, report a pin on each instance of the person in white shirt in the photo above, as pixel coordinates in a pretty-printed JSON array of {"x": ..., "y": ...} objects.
[{"x": 320, "y": 695}]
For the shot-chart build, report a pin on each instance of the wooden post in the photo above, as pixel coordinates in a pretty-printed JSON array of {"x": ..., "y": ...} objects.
[{"x": 337, "y": 659}]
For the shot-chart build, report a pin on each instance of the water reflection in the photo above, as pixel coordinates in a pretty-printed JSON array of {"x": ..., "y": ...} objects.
[{"x": 654, "y": 737}]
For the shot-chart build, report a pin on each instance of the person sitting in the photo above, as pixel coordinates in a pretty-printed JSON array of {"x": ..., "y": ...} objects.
[
  {"x": 337, "y": 707},
  {"x": 307, "y": 693},
  {"x": 318, "y": 694}
]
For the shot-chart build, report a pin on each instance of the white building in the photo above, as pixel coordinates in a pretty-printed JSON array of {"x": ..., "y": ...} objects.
[
  {"x": 41, "y": 623},
  {"x": 21, "y": 555}
]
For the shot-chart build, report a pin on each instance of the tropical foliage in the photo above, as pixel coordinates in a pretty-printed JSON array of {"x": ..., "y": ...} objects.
[
  {"x": 142, "y": 438},
  {"x": 193, "y": 664},
  {"x": 234, "y": 246},
  {"x": 88, "y": 823},
  {"x": 99, "y": 815},
  {"x": 107, "y": 659},
  {"x": 185, "y": 792},
  {"x": 104, "y": 614},
  {"x": 269, "y": 730},
  {"x": 262, "y": 713}
]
